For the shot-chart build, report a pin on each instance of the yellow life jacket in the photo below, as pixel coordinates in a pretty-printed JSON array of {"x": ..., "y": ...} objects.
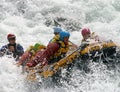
[
  {"x": 63, "y": 48},
  {"x": 33, "y": 49},
  {"x": 55, "y": 38}
]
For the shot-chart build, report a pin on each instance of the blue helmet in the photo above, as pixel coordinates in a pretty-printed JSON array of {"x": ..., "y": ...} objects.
[
  {"x": 57, "y": 29},
  {"x": 64, "y": 34}
]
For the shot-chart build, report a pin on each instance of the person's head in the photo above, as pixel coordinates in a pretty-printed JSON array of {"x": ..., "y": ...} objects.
[
  {"x": 86, "y": 33},
  {"x": 38, "y": 46},
  {"x": 11, "y": 38},
  {"x": 57, "y": 30},
  {"x": 64, "y": 36}
]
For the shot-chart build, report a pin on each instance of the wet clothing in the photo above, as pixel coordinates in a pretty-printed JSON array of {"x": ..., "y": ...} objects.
[
  {"x": 55, "y": 38},
  {"x": 54, "y": 49},
  {"x": 30, "y": 53},
  {"x": 18, "y": 50},
  {"x": 92, "y": 39}
]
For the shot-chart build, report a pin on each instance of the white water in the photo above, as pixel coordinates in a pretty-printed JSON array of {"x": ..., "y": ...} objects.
[{"x": 26, "y": 19}]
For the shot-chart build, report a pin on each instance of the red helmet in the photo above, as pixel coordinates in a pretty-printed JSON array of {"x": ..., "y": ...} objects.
[
  {"x": 10, "y": 36},
  {"x": 85, "y": 31}
]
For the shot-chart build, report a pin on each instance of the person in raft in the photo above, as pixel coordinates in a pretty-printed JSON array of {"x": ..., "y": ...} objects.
[
  {"x": 55, "y": 50},
  {"x": 89, "y": 37},
  {"x": 57, "y": 30},
  {"x": 30, "y": 53}
]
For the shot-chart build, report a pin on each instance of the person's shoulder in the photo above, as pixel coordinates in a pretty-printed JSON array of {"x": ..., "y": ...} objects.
[
  {"x": 55, "y": 44},
  {"x": 4, "y": 46},
  {"x": 56, "y": 37},
  {"x": 83, "y": 40},
  {"x": 18, "y": 44}
]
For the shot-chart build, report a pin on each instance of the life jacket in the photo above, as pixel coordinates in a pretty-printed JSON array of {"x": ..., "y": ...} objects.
[
  {"x": 55, "y": 38},
  {"x": 34, "y": 49},
  {"x": 62, "y": 50}
]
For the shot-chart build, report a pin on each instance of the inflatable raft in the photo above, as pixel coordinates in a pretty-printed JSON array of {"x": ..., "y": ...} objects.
[
  {"x": 107, "y": 48},
  {"x": 104, "y": 49}
]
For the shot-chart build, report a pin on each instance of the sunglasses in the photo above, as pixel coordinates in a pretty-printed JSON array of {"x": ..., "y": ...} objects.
[{"x": 11, "y": 39}]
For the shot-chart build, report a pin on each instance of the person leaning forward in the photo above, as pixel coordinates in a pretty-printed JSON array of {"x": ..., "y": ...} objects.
[{"x": 54, "y": 50}]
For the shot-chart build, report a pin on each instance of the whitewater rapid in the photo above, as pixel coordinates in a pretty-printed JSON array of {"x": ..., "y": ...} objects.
[{"x": 32, "y": 21}]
